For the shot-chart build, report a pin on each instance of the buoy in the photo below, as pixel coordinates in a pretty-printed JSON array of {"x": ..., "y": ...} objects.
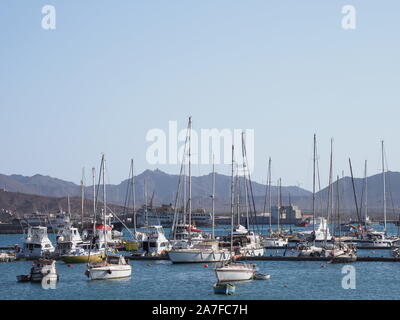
[
  {"x": 69, "y": 266},
  {"x": 205, "y": 266}
]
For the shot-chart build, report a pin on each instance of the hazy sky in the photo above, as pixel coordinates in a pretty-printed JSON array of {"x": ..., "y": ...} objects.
[{"x": 113, "y": 70}]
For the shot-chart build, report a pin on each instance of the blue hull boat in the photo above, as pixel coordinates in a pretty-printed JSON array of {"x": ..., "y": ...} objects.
[{"x": 224, "y": 288}]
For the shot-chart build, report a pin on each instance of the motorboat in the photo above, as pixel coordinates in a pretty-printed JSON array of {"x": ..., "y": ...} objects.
[
  {"x": 224, "y": 288},
  {"x": 206, "y": 251},
  {"x": 44, "y": 268},
  {"x": 111, "y": 267},
  {"x": 36, "y": 244},
  {"x": 152, "y": 241}
]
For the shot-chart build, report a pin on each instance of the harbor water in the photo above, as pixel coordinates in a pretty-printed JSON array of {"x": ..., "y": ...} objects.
[{"x": 161, "y": 280}]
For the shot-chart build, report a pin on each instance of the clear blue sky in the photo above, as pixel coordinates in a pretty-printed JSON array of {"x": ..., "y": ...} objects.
[{"x": 112, "y": 70}]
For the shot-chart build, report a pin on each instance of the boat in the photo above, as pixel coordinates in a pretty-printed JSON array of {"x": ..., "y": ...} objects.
[
  {"x": 275, "y": 242},
  {"x": 262, "y": 276},
  {"x": 224, "y": 288},
  {"x": 36, "y": 244},
  {"x": 44, "y": 268},
  {"x": 24, "y": 278},
  {"x": 112, "y": 266},
  {"x": 321, "y": 233},
  {"x": 8, "y": 256},
  {"x": 207, "y": 251},
  {"x": 396, "y": 253},
  {"x": 152, "y": 241},
  {"x": 235, "y": 272},
  {"x": 203, "y": 251}
]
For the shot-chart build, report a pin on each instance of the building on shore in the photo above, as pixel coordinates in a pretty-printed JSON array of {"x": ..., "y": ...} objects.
[{"x": 287, "y": 214}]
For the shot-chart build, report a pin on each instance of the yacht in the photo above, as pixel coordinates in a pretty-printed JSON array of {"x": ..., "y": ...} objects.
[
  {"x": 111, "y": 267},
  {"x": 206, "y": 251},
  {"x": 376, "y": 239},
  {"x": 152, "y": 241},
  {"x": 68, "y": 239},
  {"x": 235, "y": 272},
  {"x": 36, "y": 245}
]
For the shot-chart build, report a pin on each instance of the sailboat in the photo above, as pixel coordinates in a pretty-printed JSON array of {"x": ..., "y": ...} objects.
[
  {"x": 207, "y": 250},
  {"x": 375, "y": 239},
  {"x": 151, "y": 238},
  {"x": 233, "y": 271},
  {"x": 86, "y": 251},
  {"x": 112, "y": 266},
  {"x": 273, "y": 240}
]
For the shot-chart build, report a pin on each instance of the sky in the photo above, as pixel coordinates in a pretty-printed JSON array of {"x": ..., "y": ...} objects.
[{"x": 112, "y": 71}]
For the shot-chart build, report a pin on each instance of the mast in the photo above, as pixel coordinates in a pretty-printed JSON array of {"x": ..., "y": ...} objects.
[
  {"x": 330, "y": 195},
  {"x": 313, "y": 196},
  {"x": 213, "y": 200},
  {"x": 69, "y": 207},
  {"x": 190, "y": 178},
  {"x": 82, "y": 195},
  {"x": 384, "y": 185},
  {"x": 366, "y": 195},
  {"x": 145, "y": 203},
  {"x": 245, "y": 183},
  {"x": 94, "y": 200},
  {"x": 133, "y": 196},
  {"x": 238, "y": 195},
  {"x": 338, "y": 209},
  {"x": 105, "y": 203},
  {"x": 269, "y": 196},
  {"x": 232, "y": 195},
  {"x": 279, "y": 204}
]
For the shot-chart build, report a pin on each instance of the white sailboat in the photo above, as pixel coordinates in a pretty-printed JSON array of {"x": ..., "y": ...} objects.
[
  {"x": 112, "y": 266},
  {"x": 375, "y": 239},
  {"x": 204, "y": 251},
  {"x": 232, "y": 271},
  {"x": 273, "y": 240}
]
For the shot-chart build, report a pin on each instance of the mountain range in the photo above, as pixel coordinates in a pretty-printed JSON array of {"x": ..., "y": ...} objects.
[{"x": 162, "y": 187}]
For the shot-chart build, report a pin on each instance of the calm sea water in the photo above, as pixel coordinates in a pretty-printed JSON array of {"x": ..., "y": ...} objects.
[{"x": 162, "y": 280}]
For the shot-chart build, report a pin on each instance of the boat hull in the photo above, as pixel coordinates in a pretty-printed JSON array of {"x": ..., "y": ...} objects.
[
  {"x": 110, "y": 272},
  {"x": 227, "y": 275},
  {"x": 224, "y": 288},
  {"x": 82, "y": 259}
]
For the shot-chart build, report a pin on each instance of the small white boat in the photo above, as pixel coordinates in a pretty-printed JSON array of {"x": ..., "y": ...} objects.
[
  {"x": 321, "y": 232},
  {"x": 152, "y": 241},
  {"x": 262, "y": 276},
  {"x": 112, "y": 267},
  {"x": 235, "y": 272},
  {"x": 207, "y": 251},
  {"x": 274, "y": 242}
]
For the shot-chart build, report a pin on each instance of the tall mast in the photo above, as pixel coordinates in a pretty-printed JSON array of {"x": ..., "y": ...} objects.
[
  {"x": 105, "y": 203},
  {"x": 338, "y": 209},
  {"x": 190, "y": 178},
  {"x": 384, "y": 185},
  {"x": 213, "y": 200},
  {"x": 279, "y": 204},
  {"x": 238, "y": 195},
  {"x": 245, "y": 183},
  {"x": 330, "y": 195},
  {"x": 145, "y": 202},
  {"x": 94, "y": 199},
  {"x": 366, "y": 195},
  {"x": 133, "y": 196},
  {"x": 313, "y": 196},
  {"x": 232, "y": 195},
  {"x": 82, "y": 195},
  {"x": 269, "y": 196},
  {"x": 69, "y": 207}
]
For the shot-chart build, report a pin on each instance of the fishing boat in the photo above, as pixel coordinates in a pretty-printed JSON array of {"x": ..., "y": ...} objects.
[
  {"x": 44, "y": 268},
  {"x": 224, "y": 288},
  {"x": 67, "y": 240},
  {"x": 152, "y": 241},
  {"x": 112, "y": 266},
  {"x": 36, "y": 244}
]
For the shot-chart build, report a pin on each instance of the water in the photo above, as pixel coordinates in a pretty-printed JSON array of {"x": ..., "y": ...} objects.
[{"x": 162, "y": 280}]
